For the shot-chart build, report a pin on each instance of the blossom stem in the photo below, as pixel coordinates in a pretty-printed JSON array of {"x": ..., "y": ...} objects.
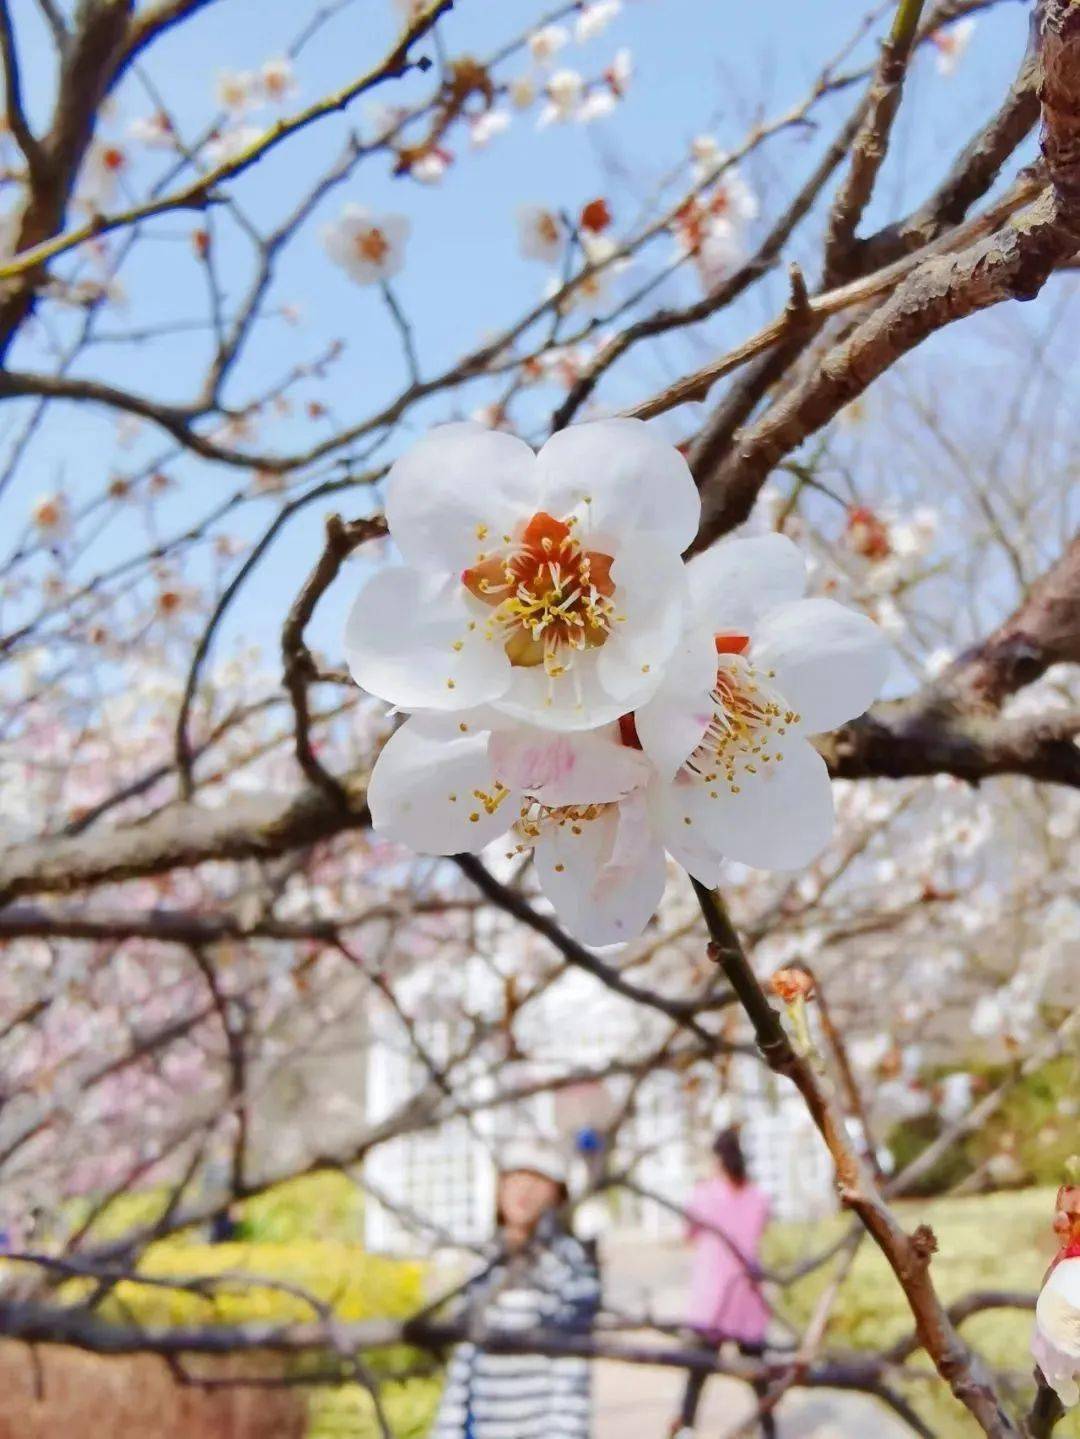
[
  {"x": 908, "y": 1254},
  {"x": 726, "y": 948},
  {"x": 1047, "y": 1410}
]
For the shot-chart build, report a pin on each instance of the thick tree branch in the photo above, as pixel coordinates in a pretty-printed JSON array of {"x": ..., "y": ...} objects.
[
  {"x": 1013, "y": 263},
  {"x": 181, "y": 836}
]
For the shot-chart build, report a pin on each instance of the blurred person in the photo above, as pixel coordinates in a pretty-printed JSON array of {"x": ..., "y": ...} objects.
[
  {"x": 726, "y": 1221},
  {"x": 541, "y": 1278}
]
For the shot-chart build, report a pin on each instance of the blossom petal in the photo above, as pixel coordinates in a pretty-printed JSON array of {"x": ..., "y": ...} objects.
[
  {"x": 650, "y": 601},
  {"x": 422, "y": 790},
  {"x": 734, "y": 584},
  {"x": 575, "y": 701},
  {"x": 457, "y": 492},
  {"x": 560, "y": 769},
  {"x": 671, "y": 724},
  {"x": 1056, "y": 1341},
  {"x": 606, "y": 882},
  {"x": 781, "y": 818},
  {"x": 411, "y": 639},
  {"x": 830, "y": 662},
  {"x": 621, "y": 478}
]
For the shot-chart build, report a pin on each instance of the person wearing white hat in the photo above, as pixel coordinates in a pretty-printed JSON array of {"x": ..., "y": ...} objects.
[{"x": 543, "y": 1282}]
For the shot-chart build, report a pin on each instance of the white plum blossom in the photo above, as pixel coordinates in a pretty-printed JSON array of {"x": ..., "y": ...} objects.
[
  {"x": 51, "y": 514},
  {"x": 545, "y": 44},
  {"x": 603, "y": 98},
  {"x": 540, "y": 233},
  {"x": 431, "y": 166},
  {"x": 154, "y": 131},
  {"x": 564, "y": 91},
  {"x": 483, "y": 128},
  {"x": 548, "y": 585},
  {"x": 760, "y": 669},
  {"x": 236, "y": 91},
  {"x": 277, "y": 81},
  {"x": 597, "y": 104},
  {"x": 951, "y": 42},
  {"x": 99, "y": 179},
  {"x": 230, "y": 144},
  {"x": 709, "y": 229},
  {"x": 1056, "y": 1342},
  {"x": 369, "y": 248},
  {"x": 620, "y": 72},
  {"x": 594, "y": 18},
  {"x": 733, "y": 199},
  {"x": 708, "y": 156},
  {"x": 445, "y": 784},
  {"x": 719, "y": 252},
  {"x": 522, "y": 91},
  {"x": 591, "y": 290}
]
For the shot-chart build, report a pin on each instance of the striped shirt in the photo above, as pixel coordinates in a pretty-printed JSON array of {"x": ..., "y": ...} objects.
[{"x": 554, "y": 1286}]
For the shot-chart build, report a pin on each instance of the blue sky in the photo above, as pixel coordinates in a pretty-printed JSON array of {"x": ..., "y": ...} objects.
[{"x": 701, "y": 65}]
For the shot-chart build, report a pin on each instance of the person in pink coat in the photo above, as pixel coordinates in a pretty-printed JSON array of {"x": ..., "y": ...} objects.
[{"x": 726, "y": 1220}]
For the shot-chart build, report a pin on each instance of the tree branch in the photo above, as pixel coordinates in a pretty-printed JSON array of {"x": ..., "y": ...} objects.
[{"x": 908, "y": 1255}]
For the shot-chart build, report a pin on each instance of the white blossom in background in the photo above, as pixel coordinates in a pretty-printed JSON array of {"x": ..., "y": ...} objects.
[
  {"x": 237, "y": 91},
  {"x": 51, "y": 514},
  {"x": 620, "y": 72},
  {"x": 277, "y": 80},
  {"x": 154, "y": 131},
  {"x": 760, "y": 669},
  {"x": 563, "y": 91},
  {"x": 522, "y": 91},
  {"x": 951, "y": 42},
  {"x": 549, "y": 585},
  {"x": 602, "y": 99},
  {"x": 99, "y": 180},
  {"x": 230, "y": 144},
  {"x": 708, "y": 157},
  {"x": 719, "y": 252},
  {"x": 591, "y": 290},
  {"x": 483, "y": 128},
  {"x": 540, "y": 233},
  {"x": 545, "y": 44},
  {"x": 431, "y": 166},
  {"x": 369, "y": 248},
  {"x": 594, "y": 18},
  {"x": 733, "y": 199},
  {"x": 710, "y": 229}
]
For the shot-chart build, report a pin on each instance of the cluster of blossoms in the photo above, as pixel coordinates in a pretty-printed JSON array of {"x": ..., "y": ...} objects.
[
  {"x": 710, "y": 228},
  {"x": 561, "y": 93},
  {"x": 544, "y": 235},
  {"x": 571, "y": 680}
]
